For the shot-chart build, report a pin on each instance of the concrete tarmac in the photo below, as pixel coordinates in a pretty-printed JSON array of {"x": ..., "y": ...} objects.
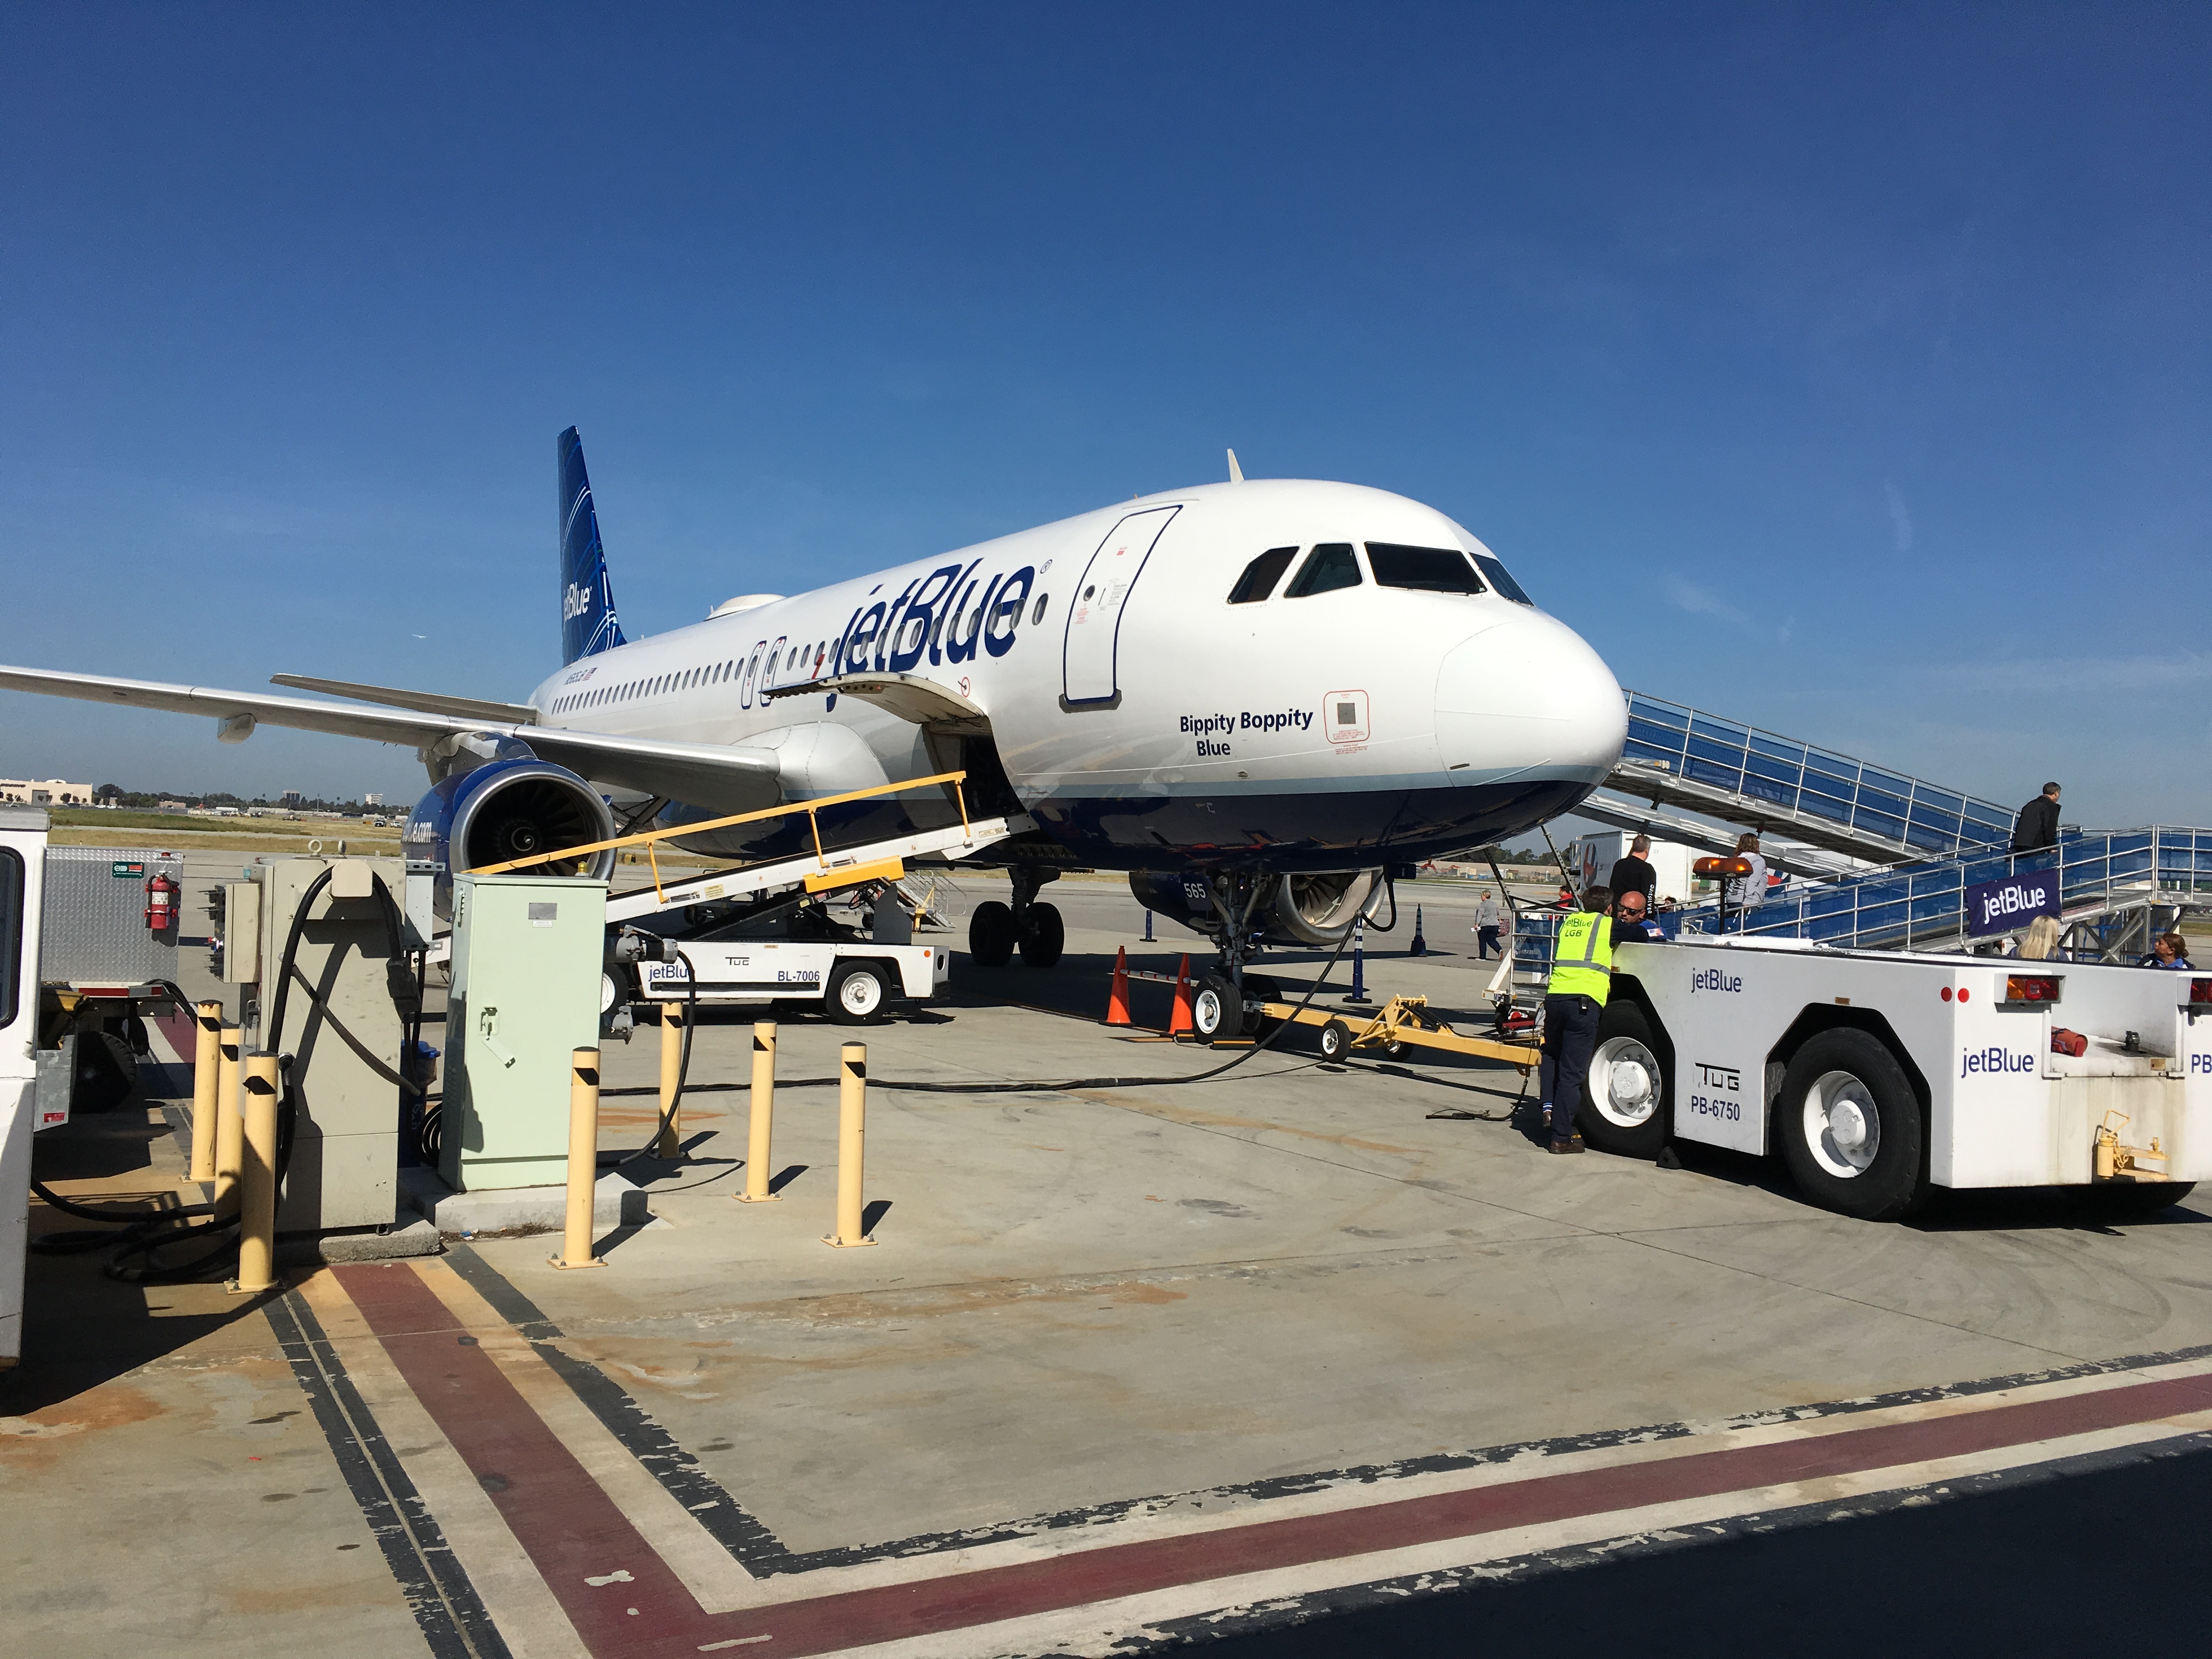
[{"x": 1103, "y": 1306}]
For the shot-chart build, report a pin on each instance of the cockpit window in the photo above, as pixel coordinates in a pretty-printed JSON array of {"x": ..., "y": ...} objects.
[
  {"x": 1330, "y": 566},
  {"x": 1261, "y": 576},
  {"x": 1500, "y": 579},
  {"x": 1429, "y": 569}
]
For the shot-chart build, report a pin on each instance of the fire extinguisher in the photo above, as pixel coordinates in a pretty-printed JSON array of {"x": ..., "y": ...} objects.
[{"x": 161, "y": 893}]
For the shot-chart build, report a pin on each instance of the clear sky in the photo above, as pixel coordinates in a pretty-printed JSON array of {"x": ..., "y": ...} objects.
[{"x": 1844, "y": 370}]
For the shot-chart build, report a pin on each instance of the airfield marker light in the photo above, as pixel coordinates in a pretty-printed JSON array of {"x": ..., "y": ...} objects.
[
  {"x": 583, "y": 1160},
  {"x": 763, "y": 1117}
]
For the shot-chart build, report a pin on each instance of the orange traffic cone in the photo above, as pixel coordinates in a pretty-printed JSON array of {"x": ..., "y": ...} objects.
[
  {"x": 1117, "y": 999},
  {"x": 1179, "y": 1020}
]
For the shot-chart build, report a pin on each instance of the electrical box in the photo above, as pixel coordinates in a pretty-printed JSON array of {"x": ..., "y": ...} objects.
[
  {"x": 238, "y": 932},
  {"x": 527, "y": 958},
  {"x": 345, "y": 1148}
]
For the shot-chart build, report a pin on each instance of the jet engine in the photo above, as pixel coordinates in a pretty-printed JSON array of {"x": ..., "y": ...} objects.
[
  {"x": 515, "y": 806},
  {"x": 1310, "y": 909}
]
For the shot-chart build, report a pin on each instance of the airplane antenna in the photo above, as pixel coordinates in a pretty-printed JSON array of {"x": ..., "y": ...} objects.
[{"x": 1236, "y": 472}]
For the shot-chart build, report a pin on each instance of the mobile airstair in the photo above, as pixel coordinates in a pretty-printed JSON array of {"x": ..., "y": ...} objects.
[{"x": 1912, "y": 850}]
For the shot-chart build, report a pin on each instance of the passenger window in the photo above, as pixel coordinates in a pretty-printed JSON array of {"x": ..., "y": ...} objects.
[
  {"x": 1037, "y": 615},
  {"x": 1424, "y": 570},
  {"x": 1332, "y": 565},
  {"x": 1501, "y": 581},
  {"x": 1261, "y": 576}
]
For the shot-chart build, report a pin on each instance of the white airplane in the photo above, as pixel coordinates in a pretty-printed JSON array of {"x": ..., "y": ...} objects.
[{"x": 1258, "y": 698}]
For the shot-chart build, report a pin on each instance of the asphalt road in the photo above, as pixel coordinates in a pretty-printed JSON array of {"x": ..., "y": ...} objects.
[{"x": 2101, "y": 1562}]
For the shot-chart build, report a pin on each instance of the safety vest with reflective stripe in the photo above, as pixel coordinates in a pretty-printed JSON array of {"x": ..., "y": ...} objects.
[{"x": 1581, "y": 961}]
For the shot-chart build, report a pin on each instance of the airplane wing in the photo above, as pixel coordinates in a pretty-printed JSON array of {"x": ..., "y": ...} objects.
[
  {"x": 473, "y": 709},
  {"x": 702, "y": 774}
]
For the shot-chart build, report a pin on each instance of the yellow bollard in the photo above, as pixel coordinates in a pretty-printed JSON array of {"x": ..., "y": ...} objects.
[
  {"x": 207, "y": 1062},
  {"x": 671, "y": 1143},
  {"x": 583, "y": 1159},
  {"x": 851, "y": 1113},
  {"x": 257, "y": 1178},
  {"x": 229, "y": 1126},
  {"x": 763, "y": 1116}
]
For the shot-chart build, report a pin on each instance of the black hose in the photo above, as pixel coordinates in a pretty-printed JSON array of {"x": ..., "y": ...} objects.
[{"x": 1063, "y": 1087}]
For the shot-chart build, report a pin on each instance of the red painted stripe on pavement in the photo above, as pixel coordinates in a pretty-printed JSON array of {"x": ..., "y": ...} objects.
[
  {"x": 569, "y": 1527},
  {"x": 469, "y": 1410}
]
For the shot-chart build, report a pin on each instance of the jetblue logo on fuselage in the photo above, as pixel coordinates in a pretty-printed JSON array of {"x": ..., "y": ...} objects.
[
  {"x": 1713, "y": 979},
  {"x": 1995, "y": 1062}
]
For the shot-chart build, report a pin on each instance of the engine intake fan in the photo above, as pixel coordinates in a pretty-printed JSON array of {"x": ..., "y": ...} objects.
[{"x": 515, "y": 807}]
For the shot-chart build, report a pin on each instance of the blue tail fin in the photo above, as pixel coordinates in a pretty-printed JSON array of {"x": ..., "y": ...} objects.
[{"x": 588, "y": 598}]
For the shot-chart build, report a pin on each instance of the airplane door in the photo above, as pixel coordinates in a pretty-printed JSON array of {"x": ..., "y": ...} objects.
[{"x": 1091, "y": 648}]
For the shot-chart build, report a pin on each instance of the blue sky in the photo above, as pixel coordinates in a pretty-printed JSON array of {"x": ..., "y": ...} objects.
[{"x": 1844, "y": 370}]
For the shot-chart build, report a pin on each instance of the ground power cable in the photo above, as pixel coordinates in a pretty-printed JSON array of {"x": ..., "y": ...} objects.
[{"x": 1063, "y": 1086}]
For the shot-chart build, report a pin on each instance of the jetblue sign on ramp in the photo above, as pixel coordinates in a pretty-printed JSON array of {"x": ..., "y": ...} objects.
[{"x": 1999, "y": 906}]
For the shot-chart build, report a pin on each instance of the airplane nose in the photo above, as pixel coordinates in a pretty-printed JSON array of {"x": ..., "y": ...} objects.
[{"x": 1528, "y": 695}]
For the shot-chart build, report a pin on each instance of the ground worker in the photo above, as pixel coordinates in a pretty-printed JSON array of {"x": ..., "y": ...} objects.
[{"x": 1582, "y": 974}]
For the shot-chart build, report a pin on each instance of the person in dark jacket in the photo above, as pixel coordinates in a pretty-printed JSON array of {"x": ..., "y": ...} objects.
[
  {"x": 1634, "y": 873},
  {"x": 2039, "y": 822}
]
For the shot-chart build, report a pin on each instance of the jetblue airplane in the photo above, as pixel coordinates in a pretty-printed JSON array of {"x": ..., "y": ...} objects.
[{"x": 1257, "y": 697}]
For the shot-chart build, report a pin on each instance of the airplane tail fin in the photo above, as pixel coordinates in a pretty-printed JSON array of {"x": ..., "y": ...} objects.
[{"x": 587, "y": 597}]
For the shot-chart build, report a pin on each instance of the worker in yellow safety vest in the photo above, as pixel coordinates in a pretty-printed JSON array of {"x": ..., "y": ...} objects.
[{"x": 1582, "y": 974}]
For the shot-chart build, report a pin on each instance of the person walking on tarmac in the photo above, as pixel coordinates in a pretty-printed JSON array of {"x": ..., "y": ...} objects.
[
  {"x": 1486, "y": 915},
  {"x": 1581, "y": 975},
  {"x": 2038, "y": 825}
]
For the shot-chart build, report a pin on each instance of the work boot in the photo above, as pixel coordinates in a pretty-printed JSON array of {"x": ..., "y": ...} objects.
[{"x": 1571, "y": 1143}]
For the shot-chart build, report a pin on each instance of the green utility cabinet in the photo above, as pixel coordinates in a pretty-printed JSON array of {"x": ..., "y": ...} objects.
[{"x": 527, "y": 962}]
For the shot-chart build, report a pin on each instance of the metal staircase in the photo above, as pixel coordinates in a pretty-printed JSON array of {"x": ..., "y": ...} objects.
[
  {"x": 2116, "y": 888},
  {"x": 1680, "y": 756}
]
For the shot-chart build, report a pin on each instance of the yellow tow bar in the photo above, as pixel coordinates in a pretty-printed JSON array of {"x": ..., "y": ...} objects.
[{"x": 1403, "y": 1021}]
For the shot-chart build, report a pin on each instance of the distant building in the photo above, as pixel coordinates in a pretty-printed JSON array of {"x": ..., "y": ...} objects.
[
  {"x": 49, "y": 791},
  {"x": 292, "y": 797},
  {"x": 371, "y": 800}
]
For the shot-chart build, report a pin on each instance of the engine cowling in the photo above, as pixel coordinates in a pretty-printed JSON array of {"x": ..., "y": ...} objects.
[
  {"x": 515, "y": 806},
  {"x": 1312, "y": 909}
]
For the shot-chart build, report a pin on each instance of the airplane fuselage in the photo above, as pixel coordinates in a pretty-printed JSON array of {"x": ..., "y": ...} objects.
[{"x": 1142, "y": 719}]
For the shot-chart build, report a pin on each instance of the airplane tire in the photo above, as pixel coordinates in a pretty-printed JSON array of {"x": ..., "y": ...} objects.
[
  {"x": 1625, "y": 1106},
  {"x": 991, "y": 934},
  {"x": 1850, "y": 1128},
  {"x": 1215, "y": 1008},
  {"x": 1045, "y": 937},
  {"x": 1258, "y": 989},
  {"x": 859, "y": 994}
]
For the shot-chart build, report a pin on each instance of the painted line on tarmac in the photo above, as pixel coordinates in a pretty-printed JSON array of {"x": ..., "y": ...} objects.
[
  {"x": 623, "y": 1599},
  {"x": 438, "y": 1594}
]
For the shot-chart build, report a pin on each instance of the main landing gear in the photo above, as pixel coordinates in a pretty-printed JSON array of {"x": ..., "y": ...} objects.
[{"x": 996, "y": 929}]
